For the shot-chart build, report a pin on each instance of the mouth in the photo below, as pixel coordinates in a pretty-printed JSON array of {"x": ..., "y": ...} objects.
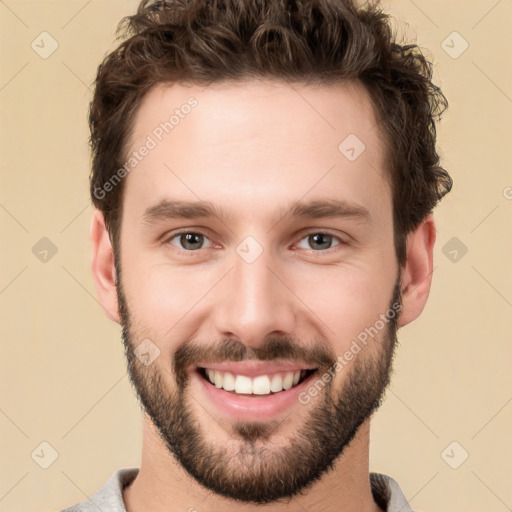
[
  {"x": 251, "y": 390},
  {"x": 261, "y": 385}
]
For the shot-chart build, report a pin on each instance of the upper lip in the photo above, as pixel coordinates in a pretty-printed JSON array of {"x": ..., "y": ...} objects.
[{"x": 255, "y": 368}]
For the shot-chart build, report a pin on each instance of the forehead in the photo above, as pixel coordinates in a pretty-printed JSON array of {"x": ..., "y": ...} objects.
[{"x": 258, "y": 139}]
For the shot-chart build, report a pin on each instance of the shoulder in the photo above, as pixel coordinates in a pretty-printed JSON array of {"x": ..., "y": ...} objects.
[
  {"x": 109, "y": 498},
  {"x": 387, "y": 493}
]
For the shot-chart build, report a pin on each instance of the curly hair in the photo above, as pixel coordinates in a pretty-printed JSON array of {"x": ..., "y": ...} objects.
[{"x": 305, "y": 41}]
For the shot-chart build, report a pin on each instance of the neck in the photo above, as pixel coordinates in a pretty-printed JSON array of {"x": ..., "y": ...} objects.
[{"x": 162, "y": 485}]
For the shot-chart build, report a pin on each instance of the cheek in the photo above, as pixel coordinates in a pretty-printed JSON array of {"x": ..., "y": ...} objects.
[
  {"x": 344, "y": 302},
  {"x": 163, "y": 298}
]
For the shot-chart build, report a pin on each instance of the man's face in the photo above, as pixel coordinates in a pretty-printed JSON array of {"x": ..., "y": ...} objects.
[{"x": 262, "y": 295}]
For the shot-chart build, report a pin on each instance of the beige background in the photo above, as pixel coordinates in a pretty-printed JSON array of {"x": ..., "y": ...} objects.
[{"x": 63, "y": 373}]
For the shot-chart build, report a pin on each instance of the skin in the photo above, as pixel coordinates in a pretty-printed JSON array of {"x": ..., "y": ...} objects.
[{"x": 252, "y": 148}]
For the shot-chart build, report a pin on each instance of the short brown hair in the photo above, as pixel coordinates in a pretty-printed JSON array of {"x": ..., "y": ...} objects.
[{"x": 305, "y": 41}]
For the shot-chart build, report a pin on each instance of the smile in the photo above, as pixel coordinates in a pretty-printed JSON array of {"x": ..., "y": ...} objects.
[{"x": 264, "y": 384}]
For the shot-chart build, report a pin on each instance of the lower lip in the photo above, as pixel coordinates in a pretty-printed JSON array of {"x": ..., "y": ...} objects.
[{"x": 251, "y": 407}]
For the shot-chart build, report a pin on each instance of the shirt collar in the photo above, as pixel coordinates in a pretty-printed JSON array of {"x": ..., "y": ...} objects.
[{"x": 109, "y": 498}]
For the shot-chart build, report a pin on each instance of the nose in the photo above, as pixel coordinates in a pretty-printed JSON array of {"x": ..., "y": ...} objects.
[{"x": 254, "y": 301}]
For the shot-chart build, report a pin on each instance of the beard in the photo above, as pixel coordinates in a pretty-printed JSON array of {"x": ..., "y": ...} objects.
[{"x": 251, "y": 467}]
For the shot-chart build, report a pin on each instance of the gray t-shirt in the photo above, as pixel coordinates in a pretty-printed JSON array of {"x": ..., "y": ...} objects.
[{"x": 109, "y": 498}]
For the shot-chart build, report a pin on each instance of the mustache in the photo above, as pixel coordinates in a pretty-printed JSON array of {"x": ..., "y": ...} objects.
[{"x": 319, "y": 355}]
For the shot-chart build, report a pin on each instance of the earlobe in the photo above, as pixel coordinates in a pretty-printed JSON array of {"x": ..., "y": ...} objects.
[
  {"x": 102, "y": 266},
  {"x": 417, "y": 271}
]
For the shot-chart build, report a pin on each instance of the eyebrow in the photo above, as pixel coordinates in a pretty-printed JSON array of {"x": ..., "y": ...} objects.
[{"x": 315, "y": 209}]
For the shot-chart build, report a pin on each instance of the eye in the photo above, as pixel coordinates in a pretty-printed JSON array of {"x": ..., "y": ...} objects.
[
  {"x": 189, "y": 240},
  {"x": 322, "y": 241}
]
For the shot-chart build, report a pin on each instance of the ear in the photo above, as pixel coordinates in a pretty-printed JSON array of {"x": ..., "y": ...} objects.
[
  {"x": 102, "y": 266},
  {"x": 417, "y": 271}
]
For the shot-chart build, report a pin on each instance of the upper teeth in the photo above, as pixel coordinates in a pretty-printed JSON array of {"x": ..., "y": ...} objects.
[{"x": 260, "y": 385}]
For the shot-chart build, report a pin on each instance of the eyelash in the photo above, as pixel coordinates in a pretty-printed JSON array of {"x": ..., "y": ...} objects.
[{"x": 167, "y": 240}]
